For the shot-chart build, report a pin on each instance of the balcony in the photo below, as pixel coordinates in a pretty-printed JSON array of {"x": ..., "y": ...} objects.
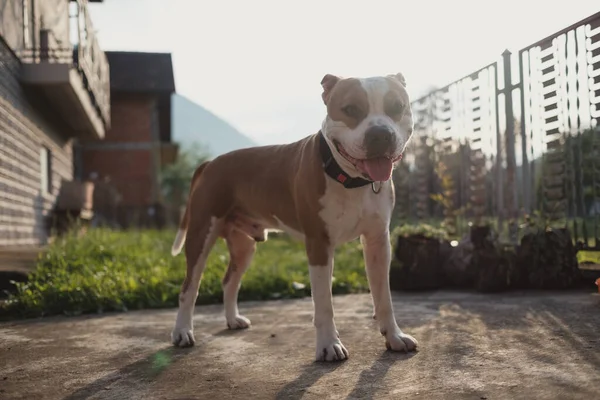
[{"x": 74, "y": 78}]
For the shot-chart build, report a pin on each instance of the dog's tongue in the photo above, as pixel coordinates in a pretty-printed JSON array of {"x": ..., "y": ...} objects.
[{"x": 379, "y": 169}]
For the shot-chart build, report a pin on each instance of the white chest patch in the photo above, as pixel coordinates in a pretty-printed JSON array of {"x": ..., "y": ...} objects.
[{"x": 347, "y": 213}]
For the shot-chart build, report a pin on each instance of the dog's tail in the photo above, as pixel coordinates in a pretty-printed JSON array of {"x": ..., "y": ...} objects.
[{"x": 183, "y": 224}]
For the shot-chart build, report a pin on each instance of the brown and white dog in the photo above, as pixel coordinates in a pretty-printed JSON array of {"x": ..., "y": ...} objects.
[{"x": 326, "y": 189}]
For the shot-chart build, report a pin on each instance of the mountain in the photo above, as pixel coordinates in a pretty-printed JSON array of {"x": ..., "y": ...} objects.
[{"x": 192, "y": 123}]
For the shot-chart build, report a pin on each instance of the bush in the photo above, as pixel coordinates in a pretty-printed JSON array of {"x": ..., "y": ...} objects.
[
  {"x": 547, "y": 259},
  {"x": 419, "y": 230},
  {"x": 108, "y": 270},
  {"x": 419, "y": 254}
]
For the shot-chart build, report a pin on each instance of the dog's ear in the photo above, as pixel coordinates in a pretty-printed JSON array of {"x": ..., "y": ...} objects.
[
  {"x": 328, "y": 82},
  {"x": 399, "y": 77}
]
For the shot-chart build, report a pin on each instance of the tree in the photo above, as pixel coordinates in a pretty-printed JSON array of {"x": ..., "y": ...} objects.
[{"x": 176, "y": 178}]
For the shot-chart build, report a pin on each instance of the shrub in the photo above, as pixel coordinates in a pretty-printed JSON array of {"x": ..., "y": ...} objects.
[
  {"x": 108, "y": 270},
  {"x": 421, "y": 230}
]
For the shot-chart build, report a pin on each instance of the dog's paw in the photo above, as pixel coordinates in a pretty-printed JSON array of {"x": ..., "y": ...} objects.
[
  {"x": 183, "y": 337},
  {"x": 331, "y": 350},
  {"x": 238, "y": 322},
  {"x": 399, "y": 341}
]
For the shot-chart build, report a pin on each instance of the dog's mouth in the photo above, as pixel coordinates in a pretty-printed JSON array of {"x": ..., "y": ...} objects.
[{"x": 375, "y": 169}]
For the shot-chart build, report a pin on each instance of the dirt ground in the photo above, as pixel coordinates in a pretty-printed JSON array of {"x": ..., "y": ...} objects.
[{"x": 534, "y": 345}]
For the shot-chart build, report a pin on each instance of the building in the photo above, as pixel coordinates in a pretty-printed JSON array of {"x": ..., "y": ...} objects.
[
  {"x": 54, "y": 91},
  {"x": 138, "y": 144}
]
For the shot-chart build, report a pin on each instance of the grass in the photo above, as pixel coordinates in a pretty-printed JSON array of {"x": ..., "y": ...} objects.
[
  {"x": 106, "y": 270},
  {"x": 589, "y": 257}
]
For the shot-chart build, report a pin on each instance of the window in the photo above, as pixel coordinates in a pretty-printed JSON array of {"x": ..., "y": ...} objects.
[{"x": 46, "y": 170}]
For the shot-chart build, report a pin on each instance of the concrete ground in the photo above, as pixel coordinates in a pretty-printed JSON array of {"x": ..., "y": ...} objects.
[{"x": 540, "y": 345}]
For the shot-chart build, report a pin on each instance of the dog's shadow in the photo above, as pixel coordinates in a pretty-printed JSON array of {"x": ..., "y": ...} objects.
[
  {"x": 366, "y": 387},
  {"x": 144, "y": 370},
  {"x": 295, "y": 389},
  {"x": 225, "y": 332},
  {"x": 370, "y": 379}
]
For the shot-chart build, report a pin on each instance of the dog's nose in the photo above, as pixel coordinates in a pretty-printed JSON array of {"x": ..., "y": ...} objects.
[{"x": 379, "y": 141}]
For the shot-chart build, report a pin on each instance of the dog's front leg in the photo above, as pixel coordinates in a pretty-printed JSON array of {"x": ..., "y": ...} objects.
[
  {"x": 329, "y": 345},
  {"x": 377, "y": 254}
]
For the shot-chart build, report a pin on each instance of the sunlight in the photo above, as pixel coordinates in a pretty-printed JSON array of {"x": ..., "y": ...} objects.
[{"x": 258, "y": 64}]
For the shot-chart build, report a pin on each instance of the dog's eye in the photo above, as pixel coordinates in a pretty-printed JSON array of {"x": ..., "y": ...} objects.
[
  {"x": 394, "y": 108},
  {"x": 351, "y": 110}
]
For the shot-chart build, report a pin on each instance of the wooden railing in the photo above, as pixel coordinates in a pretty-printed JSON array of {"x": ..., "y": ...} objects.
[
  {"x": 92, "y": 61},
  {"x": 85, "y": 55}
]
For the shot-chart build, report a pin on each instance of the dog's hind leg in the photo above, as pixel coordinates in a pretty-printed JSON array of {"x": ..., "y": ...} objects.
[
  {"x": 241, "y": 250},
  {"x": 202, "y": 235}
]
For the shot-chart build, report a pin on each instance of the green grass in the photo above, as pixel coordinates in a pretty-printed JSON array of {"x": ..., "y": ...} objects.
[
  {"x": 591, "y": 257},
  {"x": 108, "y": 270}
]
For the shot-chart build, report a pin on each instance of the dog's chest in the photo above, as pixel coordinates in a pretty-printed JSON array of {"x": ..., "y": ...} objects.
[{"x": 346, "y": 212}]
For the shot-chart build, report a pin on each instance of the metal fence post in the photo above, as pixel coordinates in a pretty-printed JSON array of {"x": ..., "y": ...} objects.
[
  {"x": 511, "y": 164},
  {"x": 527, "y": 182},
  {"x": 499, "y": 186}
]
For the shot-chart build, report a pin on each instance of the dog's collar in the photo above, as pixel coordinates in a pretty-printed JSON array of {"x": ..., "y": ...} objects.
[{"x": 333, "y": 169}]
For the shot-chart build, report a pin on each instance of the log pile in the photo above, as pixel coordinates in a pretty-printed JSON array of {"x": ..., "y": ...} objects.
[
  {"x": 547, "y": 259},
  {"x": 417, "y": 264},
  {"x": 544, "y": 259}
]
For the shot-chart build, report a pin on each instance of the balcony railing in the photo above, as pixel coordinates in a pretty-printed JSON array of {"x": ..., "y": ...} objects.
[
  {"x": 93, "y": 62},
  {"x": 84, "y": 54}
]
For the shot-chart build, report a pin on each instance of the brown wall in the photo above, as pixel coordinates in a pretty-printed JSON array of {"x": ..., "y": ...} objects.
[
  {"x": 128, "y": 170},
  {"x": 127, "y": 153},
  {"x": 131, "y": 117},
  {"x": 24, "y": 131}
]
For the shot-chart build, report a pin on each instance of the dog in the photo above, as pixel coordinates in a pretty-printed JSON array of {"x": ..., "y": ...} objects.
[
  {"x": 240, "y": 222},
  {"x": 235, "y": 220},
  {"x": 326, "y": 189}
]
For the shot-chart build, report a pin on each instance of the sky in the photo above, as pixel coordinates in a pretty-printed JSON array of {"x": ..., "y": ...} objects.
[{"x": 258, "y": 64}]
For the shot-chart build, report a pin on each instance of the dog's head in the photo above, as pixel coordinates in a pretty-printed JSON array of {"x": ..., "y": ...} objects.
[{"x": 368, "y": 124}]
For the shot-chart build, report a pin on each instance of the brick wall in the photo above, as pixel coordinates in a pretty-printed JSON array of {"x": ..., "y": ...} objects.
[
  {"x": 24, "y": 132},
  {"x": 128, "y": 170},
  {"x": 131, "y": 118},
  {"x": 126, "y": 155}
]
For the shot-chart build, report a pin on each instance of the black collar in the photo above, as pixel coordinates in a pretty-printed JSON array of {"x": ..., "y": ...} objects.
[{"x": 336, "y": 172}]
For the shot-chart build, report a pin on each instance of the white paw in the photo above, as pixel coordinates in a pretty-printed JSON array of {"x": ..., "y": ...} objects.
[
  {"x": 331, "y": 349},
  {"x": 398, "y": 341},
  {"x": 183, "y": 337},
  {"x": 238, "y": 322}
]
